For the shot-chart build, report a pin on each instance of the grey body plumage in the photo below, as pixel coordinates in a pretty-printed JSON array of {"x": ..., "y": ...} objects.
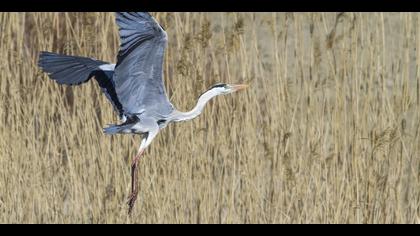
[{"x": 139, "y": 67}]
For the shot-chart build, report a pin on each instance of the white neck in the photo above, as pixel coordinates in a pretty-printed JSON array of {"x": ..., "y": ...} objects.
[{"x": 202, "y": 101}]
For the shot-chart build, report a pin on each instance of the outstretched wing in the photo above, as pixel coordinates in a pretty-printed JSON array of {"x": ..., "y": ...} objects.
[
  {"x": 138, "y": 73},
  {"x": 69, "y": 70}
]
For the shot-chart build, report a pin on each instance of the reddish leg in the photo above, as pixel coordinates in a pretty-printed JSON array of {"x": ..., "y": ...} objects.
[{"x": 134, "y": 183}]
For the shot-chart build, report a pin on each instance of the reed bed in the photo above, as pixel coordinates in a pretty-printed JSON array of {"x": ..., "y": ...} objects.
[{"x": 328, "y": 131}]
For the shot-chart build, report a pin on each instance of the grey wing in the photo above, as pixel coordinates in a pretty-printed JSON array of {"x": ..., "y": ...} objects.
[{"x": 138, "y": 73}]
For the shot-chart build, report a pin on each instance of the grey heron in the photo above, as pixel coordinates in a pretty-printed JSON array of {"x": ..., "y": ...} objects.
[{"x": 134, "y": 85}]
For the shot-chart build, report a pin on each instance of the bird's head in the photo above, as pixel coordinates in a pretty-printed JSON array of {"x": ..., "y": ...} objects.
[{"x": 222, "y": 88}]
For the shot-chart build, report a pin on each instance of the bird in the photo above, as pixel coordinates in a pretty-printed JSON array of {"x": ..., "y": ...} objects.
[{"x": 134, "y": 85}]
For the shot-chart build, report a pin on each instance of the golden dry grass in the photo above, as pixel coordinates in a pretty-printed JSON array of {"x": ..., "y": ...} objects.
[{"x": 327, "y": 133}]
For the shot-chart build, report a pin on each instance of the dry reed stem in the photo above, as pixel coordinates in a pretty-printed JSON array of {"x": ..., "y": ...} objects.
[{"x": 327, "y": 133}]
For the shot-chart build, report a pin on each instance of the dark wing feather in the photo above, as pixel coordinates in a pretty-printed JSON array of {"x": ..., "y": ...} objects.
[
  {"x": 75, "y": 70},
  {"x": 138, "y": 73},
  {"x": 70, "y": 70}
]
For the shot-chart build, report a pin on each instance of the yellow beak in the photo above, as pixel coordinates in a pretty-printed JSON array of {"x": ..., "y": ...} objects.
[{"x": 238, "y": 87}]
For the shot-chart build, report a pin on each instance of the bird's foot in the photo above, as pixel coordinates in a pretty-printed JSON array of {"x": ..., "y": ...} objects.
[{"x": 131, "y": 201}]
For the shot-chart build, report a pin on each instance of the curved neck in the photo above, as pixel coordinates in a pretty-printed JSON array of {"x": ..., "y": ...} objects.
[{"x": 202, "y": 101}]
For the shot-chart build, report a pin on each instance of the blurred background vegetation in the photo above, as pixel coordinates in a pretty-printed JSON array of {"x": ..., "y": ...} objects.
[{"x": 328, "y": 132}]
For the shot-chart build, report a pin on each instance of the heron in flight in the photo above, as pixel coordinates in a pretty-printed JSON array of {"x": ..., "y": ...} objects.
[{"x": 134, "y": 85}]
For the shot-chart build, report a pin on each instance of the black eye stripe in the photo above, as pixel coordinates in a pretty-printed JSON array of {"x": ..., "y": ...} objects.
[{"x": 219, "y": 86}]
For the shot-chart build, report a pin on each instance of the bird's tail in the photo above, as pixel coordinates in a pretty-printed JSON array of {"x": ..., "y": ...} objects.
[
  {"x": 70, "y": 70},
  {"x": 115, "y": 129}
]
